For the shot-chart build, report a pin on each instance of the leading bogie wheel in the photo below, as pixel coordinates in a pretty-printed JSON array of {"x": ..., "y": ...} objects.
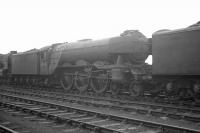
[{"x": 100, "y": 82}]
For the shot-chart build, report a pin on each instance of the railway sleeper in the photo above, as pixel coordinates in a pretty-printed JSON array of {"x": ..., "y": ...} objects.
[
  {"x": 104, "y": 114},
  {"x": 156, "y": 113},
  {"x": 81, "y": 124}
]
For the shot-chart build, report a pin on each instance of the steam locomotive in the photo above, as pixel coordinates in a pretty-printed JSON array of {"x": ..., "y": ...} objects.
[{"x": 116, "y": 65}]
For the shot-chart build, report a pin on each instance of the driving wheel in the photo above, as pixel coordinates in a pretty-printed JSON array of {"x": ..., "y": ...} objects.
[{"x": 66, "y": 81}]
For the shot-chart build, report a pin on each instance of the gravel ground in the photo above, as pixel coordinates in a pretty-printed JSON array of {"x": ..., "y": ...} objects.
[{"x": 32, "y": 126}]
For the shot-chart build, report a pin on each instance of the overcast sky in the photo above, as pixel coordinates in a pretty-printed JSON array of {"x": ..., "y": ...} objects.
[{"x": 26, "y": 24}]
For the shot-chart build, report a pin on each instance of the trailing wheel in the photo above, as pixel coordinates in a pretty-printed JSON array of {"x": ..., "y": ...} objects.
[
  {"x": 66, "y": 81},
  {"x": 136, "y": 89},
  {"x": 82, "y": 81},
  {"x": 100, "y": 82}
]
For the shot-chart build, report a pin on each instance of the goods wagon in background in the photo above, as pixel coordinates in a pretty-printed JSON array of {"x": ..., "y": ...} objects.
[
  {"x": 3, "y": 64},
  {"x": 176, "y": 59}
]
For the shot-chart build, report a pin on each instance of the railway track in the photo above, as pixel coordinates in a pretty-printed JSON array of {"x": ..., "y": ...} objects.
[
  {"x": 97, "y": 119},
  {"x": 33, "y": 123},
  {"x": 76, "y": 116},
  {"x": 161, "y": 98},
  {"x": 12, "y": 127},
  {"x": 122, "y": 98},
  {"x": 162, "y": 111},
  {"x": 102, "y": 98},
  {"x": 4, "y": 129}
]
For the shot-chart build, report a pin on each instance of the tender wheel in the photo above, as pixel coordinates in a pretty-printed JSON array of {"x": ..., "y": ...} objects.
[
  {"x": 136, "y": 89},
  {"x": 99, "y": 82},
  {"x": 115, "y": 88},
  {"x": 66, "y": 81},
  {"x": 82, "y": 81}
]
